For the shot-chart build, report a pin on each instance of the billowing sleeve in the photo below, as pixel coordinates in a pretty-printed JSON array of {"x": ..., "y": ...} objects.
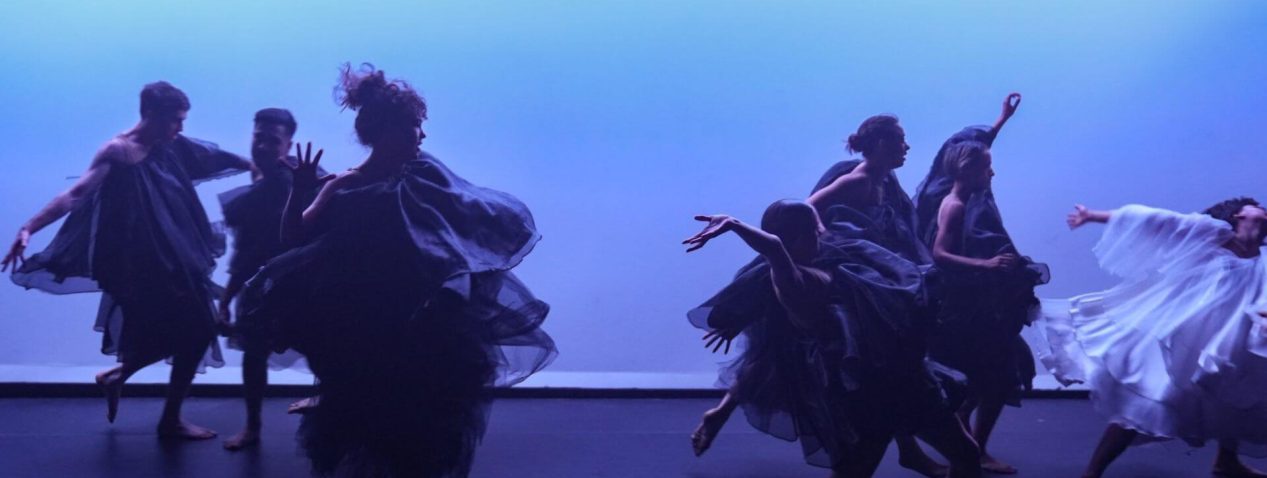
[
  {"x": 205, "y": 161},
  {"x": 1141, "y": 240}
]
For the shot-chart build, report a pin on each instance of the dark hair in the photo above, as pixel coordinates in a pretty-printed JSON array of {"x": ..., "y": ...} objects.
[
  {"x": 380, "y": 104},
  {"x": 787, "y": 217},
  {"x": 871, "y": 131},
  {"x": 277, "y": 116},
  {"x": 162, "y": 97},
  {"x": 960, "y": 157},
  {"x": 1228, "y": 209}
]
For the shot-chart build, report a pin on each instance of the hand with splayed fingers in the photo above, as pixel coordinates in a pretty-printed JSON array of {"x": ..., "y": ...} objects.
[
  {"x": 15, "y": 258},
  {"x": 716, "y": 339},
  {"x": 717, "y": 225},
  {"x": 305, "y": 170}
]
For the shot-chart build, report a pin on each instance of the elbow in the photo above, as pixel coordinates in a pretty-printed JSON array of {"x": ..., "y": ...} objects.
[{"x": 942, "y": 258}]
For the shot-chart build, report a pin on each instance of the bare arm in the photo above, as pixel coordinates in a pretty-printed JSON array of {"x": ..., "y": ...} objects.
[
  {"x": 782, "y": 269},
  {"x": 1081, "y": 215},
  {"x": 301, "y": 209},
  {"x": 63, "y": 203},
  {"x": 1010, "y": 104},
  {"x": 849, "y": 189},
  {"x": 950, "y": 238}
]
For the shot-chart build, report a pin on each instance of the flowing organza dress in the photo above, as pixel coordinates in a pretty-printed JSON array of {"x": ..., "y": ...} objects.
[
  {"x": 144, "y": 241},
  {"x": 861, "y": 375},
  {"x": 405, "y": 307},
  {"x": 253, "y": 214},
  {"x": 980, "y": 313},
  {"x": 1174, "y": 350}
]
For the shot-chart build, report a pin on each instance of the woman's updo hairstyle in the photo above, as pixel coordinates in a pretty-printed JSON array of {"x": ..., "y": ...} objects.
[
  {"x": 964, "y": 156},
  {"x": 381, "y": 105},
  {"x": 871, "y": 132}
]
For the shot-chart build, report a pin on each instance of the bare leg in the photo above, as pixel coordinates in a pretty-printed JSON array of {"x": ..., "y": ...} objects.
[
  {"x": 1114, "y": 441},
  {"x": 1228, "y": 463},
  {"x": 711, "y": 424},
  {"x": 965, "y": 413},
  {"x": 254, "y": 380},
  {"x": 912, "y": 457},
  {"x": 112, "y": 380},
  {"x": 303, "y": 405},
  {"x": 950, "y": 439},
  {"x": 987, "y": 416},
  {"x": 171, "y": 424}
]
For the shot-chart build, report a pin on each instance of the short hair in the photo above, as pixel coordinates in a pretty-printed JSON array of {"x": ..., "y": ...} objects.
[
  {"x": 1228, "y": 209},
  {"x": 962, "y": 157},
  {"x": 871, "y": 132},
  {"x": 277, "y": 116},
  {"x": 162, "y": 97},
  {"x": 789, "y": 217}
]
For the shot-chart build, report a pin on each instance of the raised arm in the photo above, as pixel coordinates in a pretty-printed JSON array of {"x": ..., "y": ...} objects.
[
  {"x": 63, "y": 203},
  {"x": 1010, "y": 104},
  {"x": 1081, "y": 215},
  {"x": 783, "y": 270},
  {"x": 301, "y": 208},
  {"x": 949, "y": 239}
]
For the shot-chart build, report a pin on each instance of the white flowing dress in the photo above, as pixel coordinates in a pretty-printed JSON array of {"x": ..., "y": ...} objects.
[{"x": 1176, "y": 349}]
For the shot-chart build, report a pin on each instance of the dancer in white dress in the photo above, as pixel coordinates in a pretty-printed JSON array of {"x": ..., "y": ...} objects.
[{"x": 1173, "y": 351}]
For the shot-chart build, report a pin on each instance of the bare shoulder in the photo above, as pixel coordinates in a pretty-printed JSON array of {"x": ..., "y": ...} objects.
[{"x": 120, "y": 150}]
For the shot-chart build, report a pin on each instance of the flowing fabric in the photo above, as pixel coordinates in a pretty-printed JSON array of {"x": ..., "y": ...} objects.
[
  {"x": 981, "y": 313},
  {"x": 1174, "y": 350},
  {"x": 859, "y": 375},
  {"x": 253, "y": 214},
  {"x": 406, "y": 311},
  {"x": 144, "y": 241}
]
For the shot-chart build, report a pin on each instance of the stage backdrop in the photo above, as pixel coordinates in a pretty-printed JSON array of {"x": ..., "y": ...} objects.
[{"x": 617, "y": 121}]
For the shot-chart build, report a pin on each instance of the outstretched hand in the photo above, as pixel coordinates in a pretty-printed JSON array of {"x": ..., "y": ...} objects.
[
  {"x": 1010, "y": 104},
  {"x": 717, "y": 225},
  {"x": 718, "y": 338},
  {"x": 305, "y": 171},
  {"x": 1078, "y": 217},
  {"x": 15, "y": 257}
]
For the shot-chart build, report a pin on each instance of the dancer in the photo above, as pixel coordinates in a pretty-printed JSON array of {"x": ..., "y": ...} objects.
[
  {"x": 254, "y": 214},
  {"x": 985, "y": 289},
  {"x": 861, "y": 204},
  {"x": 1173, "y": 350},
  {"x": 137, "y": 232},
  {"x": 400, "y": 296}
]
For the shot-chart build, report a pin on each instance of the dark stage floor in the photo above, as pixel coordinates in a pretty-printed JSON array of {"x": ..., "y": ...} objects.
[{"x": 552, "y": 438}]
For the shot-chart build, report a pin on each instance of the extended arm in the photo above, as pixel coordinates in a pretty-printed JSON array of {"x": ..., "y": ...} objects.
[
  {"x": 60, "y": 205},
  {"x": 1081, "y": 215}
]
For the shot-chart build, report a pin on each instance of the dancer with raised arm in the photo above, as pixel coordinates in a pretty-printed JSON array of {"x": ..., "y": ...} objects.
[
  {"x": 865, "y": 212},
  {"x": 399, "y": 293},
  {"x": 1174, "y": 350},
  {"x": 253, "y": 214},
  {"x": 985, "y": 289},
  {"x": 137, "y": 232}
]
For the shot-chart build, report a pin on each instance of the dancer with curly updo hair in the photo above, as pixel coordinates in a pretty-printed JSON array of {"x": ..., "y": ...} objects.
[{"x": 399, "y": 293}]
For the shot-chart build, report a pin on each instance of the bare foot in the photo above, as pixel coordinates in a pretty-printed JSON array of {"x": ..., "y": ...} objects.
[
  {"x": 1236, "y": 469},
  {"x": 245, "y": 439},
  {"x": 303, "y": 406},
  {"x": 112, "y": 385},
  {"x": 709, "y": 426},
  {"x": 924, "y": 465},
  {"x": 993, "y": 465},
  {"x": 185, "y": 431}
]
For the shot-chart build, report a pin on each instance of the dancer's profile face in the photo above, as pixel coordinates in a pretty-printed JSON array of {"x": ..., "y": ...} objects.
[
  {"x": 891, "y": 151},
  {"x": 403, "y": 138},
  {"x": 164, "y": 126},
  {"x": 269, "y": 142},
  {"x": 1252, "y": 213},
  {"x": 981, "y": 173}
]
